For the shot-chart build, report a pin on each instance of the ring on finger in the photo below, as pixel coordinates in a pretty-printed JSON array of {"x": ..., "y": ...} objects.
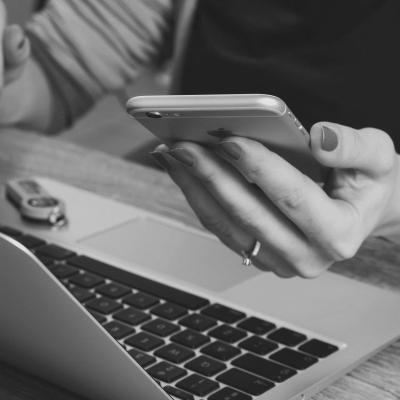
[{"x": 249, "y": 255}]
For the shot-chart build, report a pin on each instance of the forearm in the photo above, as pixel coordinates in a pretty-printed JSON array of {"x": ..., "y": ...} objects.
[{"x": 93, "y": 48}]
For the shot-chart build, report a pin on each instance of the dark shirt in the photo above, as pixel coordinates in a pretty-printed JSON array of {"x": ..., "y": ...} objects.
[{"x": 328, "y": 60}]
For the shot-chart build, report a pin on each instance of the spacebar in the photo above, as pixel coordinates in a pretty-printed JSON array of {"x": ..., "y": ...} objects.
[{"x": 177, "y": 296}]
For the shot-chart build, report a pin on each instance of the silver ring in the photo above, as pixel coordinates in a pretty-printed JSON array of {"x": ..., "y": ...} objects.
[{"x": 248, "y": 255}]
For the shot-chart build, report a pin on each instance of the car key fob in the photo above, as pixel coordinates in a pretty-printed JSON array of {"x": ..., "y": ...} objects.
[{"x": 35, "y": 203}]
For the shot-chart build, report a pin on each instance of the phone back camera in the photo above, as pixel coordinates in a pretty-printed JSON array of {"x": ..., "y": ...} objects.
[{"x": 154, "y": 114}]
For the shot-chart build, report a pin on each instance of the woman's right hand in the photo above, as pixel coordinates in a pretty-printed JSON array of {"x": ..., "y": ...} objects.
[{"x": 15, "y": 53}]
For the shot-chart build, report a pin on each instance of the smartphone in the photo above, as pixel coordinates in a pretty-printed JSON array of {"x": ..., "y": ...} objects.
[{"x": 207, "y": 119}]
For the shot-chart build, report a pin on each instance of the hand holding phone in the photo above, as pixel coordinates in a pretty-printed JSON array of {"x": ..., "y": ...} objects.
[
  {"x": 207, "y": 119},
  {"x": 244, "y": 193}
]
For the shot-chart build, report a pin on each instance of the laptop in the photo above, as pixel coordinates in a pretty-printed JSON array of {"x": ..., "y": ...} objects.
[{"x": 124, "y": 304}]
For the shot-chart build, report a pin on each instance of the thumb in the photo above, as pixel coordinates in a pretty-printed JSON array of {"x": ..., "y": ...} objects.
[
  {"x": 16, "y": 52},
  {"x": 337, "y": 146}
]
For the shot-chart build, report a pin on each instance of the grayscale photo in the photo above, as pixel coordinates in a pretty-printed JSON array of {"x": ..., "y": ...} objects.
[{"x": 199, "y": 200}]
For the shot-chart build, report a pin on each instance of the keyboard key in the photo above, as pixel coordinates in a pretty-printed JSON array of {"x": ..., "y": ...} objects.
[
  {"x": 62, "y": 271},
  {"x": 220, "y": 350},
  {"x": 245, "y": 382},
  {"x": 30, "y": 241},
  {"x": 189, "y": 338},
  {"x": 263, "y": 367},
  {"x": 55, "y": 252},
  {"x": 169, "y": 311},
  {"x": 160, "y": 327},
  {"x": 138, "y": 282},
  {"x": 100, "y": 318},
  {"x": 228, "y": 393},
  {"x": 10, "y": 231},
  {"x": 224, "y": 314},
  {"x": 141, "y": 300},
  {"x": 103, "y": 305},
  {"x": 178, "y": 393},
  {"x": 198, "y": 322},
  {"x": 205, "y": 365},
  {"x": 227, "y": 333},
  {"x": 287, "y": 337},
  {"x": 142, "y": 359},
  {"x": 318, "y": 348},
  {"x": 257, "y": 325},
  {"x": 197, "y": 385},
  {"x": 166, "y": 372},
  {"x": 118, "y": 330},
  {"x": 131, "y": 316},
  {"x": 258, "y": 345},
  {"x": 144, "y": 341},
  {"x": 45, "y": 260},
  {"x": 87, "y": 281},
  {"x": 79, "y": 293},
  {"x": 175, "y": 353},
  {"x": 113, "y": 290},
  {"x": 293, "y": 358}
]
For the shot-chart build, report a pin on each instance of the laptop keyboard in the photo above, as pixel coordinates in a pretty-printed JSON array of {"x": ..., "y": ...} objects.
[{"x": 193, "y": 348}]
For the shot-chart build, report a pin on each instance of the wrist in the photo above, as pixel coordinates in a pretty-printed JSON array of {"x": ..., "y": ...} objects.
[
  {"x": 28, "y": 102},
  {"x": 36, "y": 110}
]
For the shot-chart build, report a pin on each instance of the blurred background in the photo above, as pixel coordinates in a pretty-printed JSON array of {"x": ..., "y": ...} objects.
[{"x": 123, "y": 136}]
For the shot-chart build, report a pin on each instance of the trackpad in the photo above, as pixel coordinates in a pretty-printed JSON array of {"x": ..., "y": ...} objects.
[{"x": 173, "y": 251}]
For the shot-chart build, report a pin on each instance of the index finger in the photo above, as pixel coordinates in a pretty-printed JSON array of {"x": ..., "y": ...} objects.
[{"x": 295, "y": 194}]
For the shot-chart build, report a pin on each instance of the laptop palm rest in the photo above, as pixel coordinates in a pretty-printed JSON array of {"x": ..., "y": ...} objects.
[{"x": 173, "y": 251}]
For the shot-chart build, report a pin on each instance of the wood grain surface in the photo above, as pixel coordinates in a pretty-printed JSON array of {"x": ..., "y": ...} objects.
[{"x": 27, "y": 154}]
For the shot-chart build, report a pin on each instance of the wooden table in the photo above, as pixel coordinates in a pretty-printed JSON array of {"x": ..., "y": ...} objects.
[{"x": 21, "y": 154}]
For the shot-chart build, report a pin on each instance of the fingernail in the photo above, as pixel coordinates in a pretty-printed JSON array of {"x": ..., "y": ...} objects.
[
  {"x": 21, "y": 44},
  {"x": 183, "y": 156},
  {"x": 161, "y": 160},
  {"x": 231, "y": 149},
  {"x": 329, "y": 139}
]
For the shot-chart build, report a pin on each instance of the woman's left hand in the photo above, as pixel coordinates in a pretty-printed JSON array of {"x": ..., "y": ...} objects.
[{"x": 243, "y": 192}]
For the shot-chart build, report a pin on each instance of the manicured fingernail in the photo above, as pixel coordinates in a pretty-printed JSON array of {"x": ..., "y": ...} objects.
[
  {"x": 231, "y": 149},
  {"x": 182, "y": 155},
  {"x": 161, "y": 160},
  {"x": 329, "y": 139}
]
